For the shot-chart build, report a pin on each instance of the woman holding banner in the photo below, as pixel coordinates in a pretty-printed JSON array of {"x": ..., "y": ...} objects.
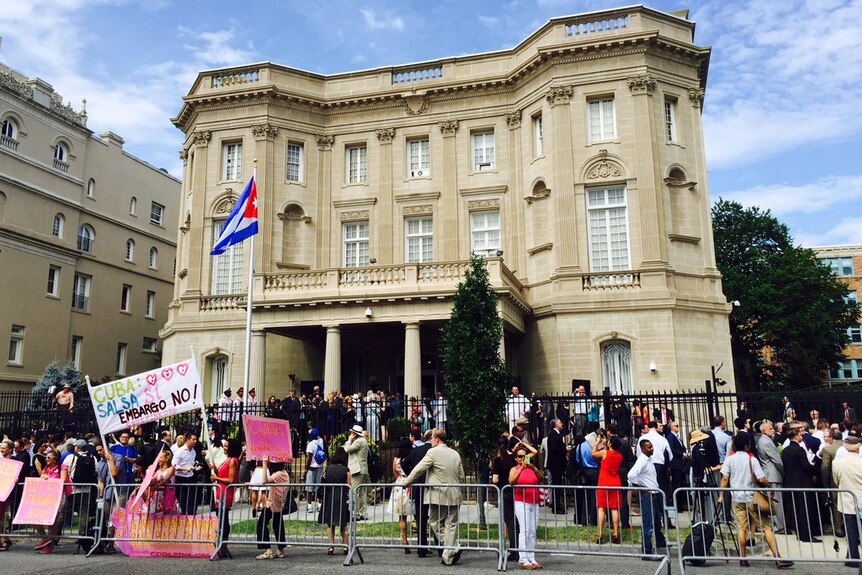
[
  {"x": 161, "y": 497},
  {"x": 52, "y": 471},
  {"x": 225, "y": 475}
]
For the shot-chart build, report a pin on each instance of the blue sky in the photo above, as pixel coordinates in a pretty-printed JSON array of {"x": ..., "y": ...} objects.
[{"x": 782, "y": 116}]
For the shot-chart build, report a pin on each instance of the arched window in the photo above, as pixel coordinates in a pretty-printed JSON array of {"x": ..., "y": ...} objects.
[
  {"x": 9, "y": 134},
  {"x": 617, "y": 367},
  {"x": 57, "y": 230},
  {"x": 130, "y": 250},
  {"x": 86, "y": 238},
  {"x": 154, "y": 258},
  {"x": 61, "y": 153},
  {"x": 133, "y": 206},
  {"x": 91, "y": 188},
  {"x": 218, "y": 381}
]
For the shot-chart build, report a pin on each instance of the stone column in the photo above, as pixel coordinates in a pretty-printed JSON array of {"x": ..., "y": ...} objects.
[
  {"x": 649, "y": 192},
  {"x": 324, "y": 203},
  {"x": 332, "y": 360},
  {"x": 264, "y": 153},
  {"x": 515, "y": 240},
  {"x": 198, "y": 244},
  {"x": 696, "y": 96},
  {"x": 412, "y": 361},
  {"x": 503, "y": 347},
  {"x": 450, "y": 203},
  {"x": 383, "y": 249},
  {"x": 257, "y": 365},
  {"x": 565, "y": 232}
]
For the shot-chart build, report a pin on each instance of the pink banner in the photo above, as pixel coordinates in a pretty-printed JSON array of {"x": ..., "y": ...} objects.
[
  {"x": 145, "y": 482},
  {"x": 172, "y": 535},
  {"x": 40, "y": 501},
  {"x": 9, "y": 470},
  {"x": 267, "y": 437}
]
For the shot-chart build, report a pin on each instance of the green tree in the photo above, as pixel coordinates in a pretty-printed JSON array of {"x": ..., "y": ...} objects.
[
  {"x": 475, "y": 375},
  {"x": 51, "y": 377},
  {"x": 791, "y": 324},
  {"x": 72, "y": 376}
]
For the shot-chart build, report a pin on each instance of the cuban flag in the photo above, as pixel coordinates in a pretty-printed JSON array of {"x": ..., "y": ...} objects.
[{"x": 241, "y": 224}]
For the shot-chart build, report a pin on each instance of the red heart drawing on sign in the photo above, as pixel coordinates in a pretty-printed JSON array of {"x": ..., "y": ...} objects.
[
  {"x": 182, "y": 368},
  {"x": 167, "y": 373},
  {"x": 152, "y": 379}
]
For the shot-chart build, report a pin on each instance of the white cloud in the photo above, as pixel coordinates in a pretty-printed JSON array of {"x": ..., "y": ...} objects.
[
  {"x": 847, "y": 231},
  {"x": 782, "y": 75},
  {"x": 785, "y": 199},
  {"x": 387, "y": 22},
  {"x": 489, "y": 21}
]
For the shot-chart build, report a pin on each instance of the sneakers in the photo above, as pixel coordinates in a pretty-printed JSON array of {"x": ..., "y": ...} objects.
[
  {"x": 309, "y": 508},
  {"x": 783, "y": 564},
  {"x": 43, "y": 543},
  {"x": 268, "y": 554}
]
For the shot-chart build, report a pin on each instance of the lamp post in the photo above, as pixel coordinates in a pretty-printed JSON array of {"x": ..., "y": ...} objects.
[{"x": 712, "y": 386}]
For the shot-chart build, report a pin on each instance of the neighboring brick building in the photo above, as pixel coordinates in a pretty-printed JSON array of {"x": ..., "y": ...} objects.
[
  {"x": 574, "y": 161},
  {"x": 846, "y": 262}
]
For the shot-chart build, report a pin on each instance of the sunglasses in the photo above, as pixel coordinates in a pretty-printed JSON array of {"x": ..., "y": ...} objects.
[{"x": 520, "y": 456}]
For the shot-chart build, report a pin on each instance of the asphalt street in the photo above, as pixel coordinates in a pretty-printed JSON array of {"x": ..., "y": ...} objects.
[{"x": 22, "y": 560}]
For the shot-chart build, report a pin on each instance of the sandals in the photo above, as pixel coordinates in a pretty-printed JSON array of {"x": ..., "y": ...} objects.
[
  {"x": 330, "y": 551},
  {"x": 615, "y": 539}
]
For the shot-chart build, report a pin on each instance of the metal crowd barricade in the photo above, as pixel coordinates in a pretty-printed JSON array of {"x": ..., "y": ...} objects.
[
  {"x": 298, "y": 525},
  {"x": 476, "y": 526},
  {"x": 153, "y": 526},
  {"x": 78, "y": 518},
  {"x": 800, "y": 521},
  {"x": 573, "y": 529}
]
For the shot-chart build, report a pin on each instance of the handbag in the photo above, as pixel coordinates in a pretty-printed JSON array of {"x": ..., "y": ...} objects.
[{"x": 764, "y": 503}]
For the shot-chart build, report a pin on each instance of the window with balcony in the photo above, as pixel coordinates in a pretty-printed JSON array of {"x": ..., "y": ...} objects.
[
  {"x": 16, "y": 345},
  {"x": 483, "y": 150},
  {"x": 602, "y": 124},
  {"x": 86, "y": 238},
  {"x": 9, "y": 134},
  {"x": 420, "y": 239},
  {"x": 295, "y": 162},
  {"x": 81, "y": 292},
  {"x": 227, "y": 267},
  {"x": 232, "y": 161},
  {"x": 357, "y": 164},
  {"x": 418, "y": 159},
  {"x": 356, "y": 244},
  {"x": 485, "y": 233},
  {"x": 61, "y": 157},
  {"x": 607, "y": 227}
]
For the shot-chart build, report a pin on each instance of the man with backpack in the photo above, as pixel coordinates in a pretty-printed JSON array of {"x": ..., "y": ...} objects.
[
  {"x": 81, "y": 469},
  {"x": 315, "y": 457}
]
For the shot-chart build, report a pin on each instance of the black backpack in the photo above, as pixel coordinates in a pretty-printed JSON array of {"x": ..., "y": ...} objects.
[
  {"x": 83, "y": 468},
  {"x": 699, "y": 543}
]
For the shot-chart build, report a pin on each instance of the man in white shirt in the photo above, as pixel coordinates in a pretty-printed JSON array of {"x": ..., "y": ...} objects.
[
  {"x": 581, "y": 407},
  {"x": 185, "y": 466},
  {"x": 517, "y": 406},
  {"x": 722, "y": 439},
  {"x": 847, "y": 475},
  {"x": 642, "y": 474},
  {"x": 661, "y": 455}
]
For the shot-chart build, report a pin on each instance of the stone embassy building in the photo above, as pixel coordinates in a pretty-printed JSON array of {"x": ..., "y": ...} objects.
[{"x": 573, "y": 161}]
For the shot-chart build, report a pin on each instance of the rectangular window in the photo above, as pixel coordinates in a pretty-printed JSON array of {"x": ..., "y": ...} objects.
[
  {"x": 126, "y": 298},
  {"x": 357, "y": 164},
  {"x": 151, "y": 304},
  {"x": 670, "y": 119},
  {"x": 227, "y": 268},
  {"x": 607, "y": 225},
  {"x": 121, "y": 358},
  {"x": 150, "y": 344},
  {"x": 420, "y": 239},
  {"x": 483, "y": 151},
  {"x": 485, "y": 233},
  {"x": 355, "y": 244},
  {"x": 81, "y": 292},
  {"x": 157, "y": 213},
  {"x": 601, "y": 118},
  {"x": 53, "y": 280},
  {"x": 840, "y": 266},
  {"x": 295, "y": 160},
  {"x": 855, "y": 332},
  {"x": 538, "y": 136},
  {"x": 16, "y": 345},
  {"x": 77, "y": 351},
  {"x": 418, "y": 160},
  {"x": 847, "y": 369},
  {"x": 232, "y": 163}
]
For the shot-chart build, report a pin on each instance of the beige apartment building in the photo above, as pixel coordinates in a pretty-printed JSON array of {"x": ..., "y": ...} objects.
[
  {"x": 846, "y": 262},
  {"x": 574, "y": 162},
  {"x": 87, "y": 241}
]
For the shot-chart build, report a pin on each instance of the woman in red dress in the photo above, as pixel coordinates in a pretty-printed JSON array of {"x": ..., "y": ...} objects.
[
  {"x": 225, "y": 475},
  {"x": 609, "y": 457}
]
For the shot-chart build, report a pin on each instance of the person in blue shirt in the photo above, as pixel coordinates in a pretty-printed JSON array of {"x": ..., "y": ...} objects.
[{"x": 130, "y": 456}]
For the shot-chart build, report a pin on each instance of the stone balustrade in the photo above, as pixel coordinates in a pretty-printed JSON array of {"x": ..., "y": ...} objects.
[
  {"x": 223, "y": 303},
  {"x": 417, "y": 75},
  {"x": 236, "y": 78},
  {"x": 587, "y": 27},
  {"x": 611, "y": 280}
]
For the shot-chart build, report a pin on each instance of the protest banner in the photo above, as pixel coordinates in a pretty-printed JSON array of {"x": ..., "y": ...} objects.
[
  {"x": 267, "y": 437},
  {"x": 147, "y": 397},
  {"x": 164, "y": 535},
  {"x": 39, "y": 502},
  {"x": 9, "y": 470}
]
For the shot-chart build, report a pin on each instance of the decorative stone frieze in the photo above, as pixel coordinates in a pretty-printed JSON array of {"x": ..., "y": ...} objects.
[
  {"x": 604, "y": 169},
  {"x": 385, "y": 135},
  {"x": 184, "y": 156},
  {"x": 415, "y": 105},
  {"x": 539, "y": 194},
  {"x": 475, "y": 205},
  {"x": 202, "y": 138},
  {"x": 560, "y": 95},
  {"x": 324, "y": 141},
  {"x": 355, "y": 215},
  {"x": 424, "y": 210},
  {"x": 513, "y": 120},
  {"x": 696, "y": 96},
  {"x": 448, "y": 127},
  {"x": 643, "y": 84},
  {"x": 264, "y": 131}
]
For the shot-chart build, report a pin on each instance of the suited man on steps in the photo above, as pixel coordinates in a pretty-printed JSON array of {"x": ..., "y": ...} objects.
[{"x": 442, "y": 465}]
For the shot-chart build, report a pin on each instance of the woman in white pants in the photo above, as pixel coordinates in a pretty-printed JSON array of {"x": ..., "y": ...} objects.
[{"x": 525, "y": 479}]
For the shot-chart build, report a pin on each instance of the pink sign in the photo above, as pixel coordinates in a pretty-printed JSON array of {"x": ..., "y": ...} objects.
[
  {"x": 169, "y": 535},
  {"x": 267, "y": 437},
  {"x": 9, "y": 470},
  {"x": 40, "y": 501},
  {"x": 145, "y": 482}
]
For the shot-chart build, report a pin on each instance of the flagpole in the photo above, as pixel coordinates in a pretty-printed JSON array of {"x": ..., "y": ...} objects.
[{"x": 248, "y": 309}]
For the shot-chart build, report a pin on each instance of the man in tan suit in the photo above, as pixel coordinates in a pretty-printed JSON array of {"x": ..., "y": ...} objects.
[
  {"x": 847, "y": 475},
  {"x": 442, "y": 466},
  {"x": 357, "y": 462}
]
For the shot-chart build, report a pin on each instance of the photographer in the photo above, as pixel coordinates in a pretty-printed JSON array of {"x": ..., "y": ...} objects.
[{"x": 701, "y": 475}]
